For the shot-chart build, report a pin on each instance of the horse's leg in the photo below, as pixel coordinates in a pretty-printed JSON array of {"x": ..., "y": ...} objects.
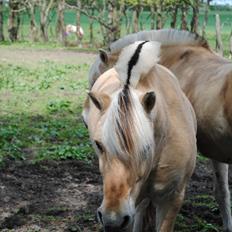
[
  {"x": 139, "y": 216},
  {"x": 222, "y": 193},
  {"x": 167, "y": 210},
  {"x": 138, "y": 221}
]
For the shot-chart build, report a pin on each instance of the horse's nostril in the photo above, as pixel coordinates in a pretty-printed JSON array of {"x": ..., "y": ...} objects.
[
  {"x": 100, "y": 216},
  {"x": 126, "y": 220}
]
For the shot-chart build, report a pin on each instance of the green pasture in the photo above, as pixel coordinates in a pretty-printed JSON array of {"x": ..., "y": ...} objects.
[{"x": 40, "y": 110}]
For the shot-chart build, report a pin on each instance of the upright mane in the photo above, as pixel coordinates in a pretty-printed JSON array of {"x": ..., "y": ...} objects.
[
  {"x": 127, "y": 131},
  {"x": 164, "y": 36}
]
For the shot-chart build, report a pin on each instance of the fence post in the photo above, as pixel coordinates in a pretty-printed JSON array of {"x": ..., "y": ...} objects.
[
  {"x": 230, "y": 44},
  {"x": 219, "y": 45}
]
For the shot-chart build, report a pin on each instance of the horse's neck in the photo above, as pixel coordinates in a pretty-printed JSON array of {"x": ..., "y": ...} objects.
[{"x": 171, "y": 55}]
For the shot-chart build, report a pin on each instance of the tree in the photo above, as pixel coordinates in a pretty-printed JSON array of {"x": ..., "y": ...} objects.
[
  {"x": 194, "y": 22},
  {"x": 137, "y": 8},
  {"x": 108, "y": 15},
  {"x": 174, "y": 16},
  {"x": 78, "y": 22},
  {"x": 14, "y": 19},
  {"x": 184, "y": 10},
  {"x": 60, "y": 27},
  {"x": 45, "y": 8},
  {"x": 230, "y": 44},
  {"x": 31, "y": 6},
  {"x": 115, "y": 12},
  {"x": 1, "y": 21},
  {"x": 152, "y": 10},
  {"x": 205, "y": 22},
  {"x": 159, "y": 16}
]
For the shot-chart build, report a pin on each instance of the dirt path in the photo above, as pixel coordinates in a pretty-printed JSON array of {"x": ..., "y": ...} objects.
[
  {"x": 32, "y": 56},
  {"x": 50, "y": 196}
]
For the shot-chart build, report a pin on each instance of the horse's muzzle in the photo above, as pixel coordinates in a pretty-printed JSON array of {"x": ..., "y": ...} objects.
[{"x": 116, "y": 223}]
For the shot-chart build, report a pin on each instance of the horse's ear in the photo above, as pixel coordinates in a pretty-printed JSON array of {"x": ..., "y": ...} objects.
[
  {"x": 101, "y": 101},
  {"x": 103, "y": 56},
  {"x": 148, "y": 101}
]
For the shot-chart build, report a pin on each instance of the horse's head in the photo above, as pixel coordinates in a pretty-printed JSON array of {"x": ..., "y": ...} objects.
[
  {"x": 123, "y": 139},
  {"x": 118, "y": 117}
]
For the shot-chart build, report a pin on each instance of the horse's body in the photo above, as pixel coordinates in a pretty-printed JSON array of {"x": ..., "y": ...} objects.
[
  {"x": 143, "y": 128},
  {"x": 206, "y": 79},
  {"x": 74, "y": 29}
]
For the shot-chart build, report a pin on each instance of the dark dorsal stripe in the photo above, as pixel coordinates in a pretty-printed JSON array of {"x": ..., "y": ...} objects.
[
  {"x": 124, "y": 103},
  {"x": 133, "y": 61}
]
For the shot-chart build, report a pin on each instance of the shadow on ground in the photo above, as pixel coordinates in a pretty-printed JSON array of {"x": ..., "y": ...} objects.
[{"x": 64, "y": 196}]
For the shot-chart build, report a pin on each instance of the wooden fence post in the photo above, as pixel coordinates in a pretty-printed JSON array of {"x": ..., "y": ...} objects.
[
  {"x": 231, "y": 45},
  {"x": 219, "y": 45}
]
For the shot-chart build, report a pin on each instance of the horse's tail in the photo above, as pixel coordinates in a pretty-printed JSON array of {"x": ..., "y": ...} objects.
[{"x": 136, "y": 60}]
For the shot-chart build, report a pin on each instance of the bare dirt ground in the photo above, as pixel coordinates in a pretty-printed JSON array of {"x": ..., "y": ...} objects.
[
  {"x": 33, "y": 56},
  {"x": 64, "y": 195}
]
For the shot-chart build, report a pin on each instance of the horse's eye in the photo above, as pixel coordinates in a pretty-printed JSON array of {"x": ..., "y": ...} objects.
[{"x": 99, "y": 146}]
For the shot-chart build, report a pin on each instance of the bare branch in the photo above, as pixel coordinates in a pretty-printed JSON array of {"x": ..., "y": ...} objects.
[{"x": 90, "y": 16}]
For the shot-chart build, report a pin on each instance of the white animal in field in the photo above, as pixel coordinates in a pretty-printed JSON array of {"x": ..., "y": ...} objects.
[{"x": 78, "y": 30}]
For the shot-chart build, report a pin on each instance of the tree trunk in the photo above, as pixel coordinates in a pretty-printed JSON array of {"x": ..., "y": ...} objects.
[
  {"x": 14, "y": 20},
  {"x": 152, "y": 9},
  {"x": 205, "y": 18},
  {"x": 231, "y": 44},
  {"x": 184, "y": 23},
  {"x": 141, "y": 21},
  {"x": 114, "y": 16},
  {"x": 159, "y": 19},
  {"x": 219, "y": 45},
  {"x": 91, "y": 29},
  {"x": 135, "y": 20},
  {"x": 33, "y": 28},
  {"x": 43, "y": 21},
  {"x": 127, "y": 21},
  {"x": 1, "y": 21},
  {"x": 194, "y": 22},
  {"x": 60, "y": 29},
  {"x": 45, "y": 7},
  {"x": 174, "y": 17},
  {"x": 78, "y": 23},
  {"x": 104, "y": 30}
]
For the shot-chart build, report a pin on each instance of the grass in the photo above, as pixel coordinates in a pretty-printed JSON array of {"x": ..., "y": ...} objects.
[{"x": 40, "y": 111}]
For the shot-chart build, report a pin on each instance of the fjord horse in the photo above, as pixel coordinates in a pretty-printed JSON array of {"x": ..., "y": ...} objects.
[
  {"x": 206, "y": 79},
  {"x": 78, "y": 30},
  {"x": 143, "y": 129}
]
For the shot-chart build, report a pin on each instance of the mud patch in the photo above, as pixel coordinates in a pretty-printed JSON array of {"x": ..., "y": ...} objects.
[{"x": 64, "y": 196}]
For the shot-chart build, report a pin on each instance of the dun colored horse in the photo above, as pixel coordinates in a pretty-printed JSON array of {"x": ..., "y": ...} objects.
[
  {"x": 206, "y": 79},
  {"x": 143, "y": 129}
]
